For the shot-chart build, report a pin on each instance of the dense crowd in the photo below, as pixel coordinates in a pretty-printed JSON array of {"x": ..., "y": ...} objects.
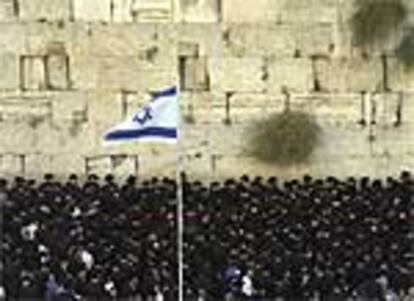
[
  {"x": 244, "y": 239},
  {"x": 95, "y": 240},
  {"x": 308, "y": 239}
]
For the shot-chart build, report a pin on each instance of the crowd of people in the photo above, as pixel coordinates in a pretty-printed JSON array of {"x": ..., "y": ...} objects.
[
  {"x": 244, "y": 239},
  {"x": 308, "y": 239},
  {"x": 95, "y": 240}
]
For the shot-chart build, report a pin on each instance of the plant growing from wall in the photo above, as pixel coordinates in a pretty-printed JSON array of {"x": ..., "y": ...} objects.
[
  {"x": 405, "y": 51},
  {"x": 285, "y": 138},
  {"x": 374, "y": 21}
]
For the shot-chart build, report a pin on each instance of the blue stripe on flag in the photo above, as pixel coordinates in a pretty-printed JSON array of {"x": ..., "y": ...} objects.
[
  {"x": 142, "y": 133},
  {"x": 165, "y": 93}
]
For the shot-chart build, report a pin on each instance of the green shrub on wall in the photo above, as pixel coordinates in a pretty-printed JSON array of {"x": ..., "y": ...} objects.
[
  {"x": 405, "y": 51},
  {"x": 376, "y": 20},
  {"x": 286, "y": 138}
]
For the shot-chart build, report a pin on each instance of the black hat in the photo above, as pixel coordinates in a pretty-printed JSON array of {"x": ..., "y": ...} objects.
[
  {"x": 245, "y": 178},
  {"x": 73, "y": 177},
  {"x": 131, "y": 180},
  {"x": 48, "y": 177},
  {"x": 405, "y": 175},
  {"x": 109, "y": 178},
  {"x": 93, "y": 177}
]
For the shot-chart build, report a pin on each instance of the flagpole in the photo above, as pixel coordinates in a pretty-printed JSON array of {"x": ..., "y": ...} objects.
[
  {"x": 180, "y": 229},
  {"x": 180, "y": 195}
]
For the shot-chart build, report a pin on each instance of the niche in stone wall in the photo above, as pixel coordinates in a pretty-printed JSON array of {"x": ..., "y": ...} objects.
[
  {"x": 57, "y": 67},
  {"x": 33, "y": 72},
  {"x": 193, "y": 73},
  {"x": 41, "y": 72}
]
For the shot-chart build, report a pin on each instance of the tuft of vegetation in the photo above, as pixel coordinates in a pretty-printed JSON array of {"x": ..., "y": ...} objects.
[
  {"x": 376, "y": 20},
  {"x": 285, "y": 138},
  {"x": 405, "y": 51}
]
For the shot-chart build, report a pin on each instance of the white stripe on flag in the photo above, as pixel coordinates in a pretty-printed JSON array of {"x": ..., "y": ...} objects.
[{"x": 156, "y": 121}]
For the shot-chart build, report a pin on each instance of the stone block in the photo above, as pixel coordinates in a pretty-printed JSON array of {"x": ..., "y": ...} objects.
[
  {"x": 188, "y": 49},
  {"x": 199, "y": 11},
  {"x": 206, "y": 36},
  {"x": 62, "y": 165},
  {"x": 346, "y": 8},
  {"x": 125, "y": 73},
  {"x": 410, "y": 7},
  {"x": 12, "y": 37},
  {"x": 120, "y": 165},
  {"x": 7, "y": 10},
  {"x": 311, "y": 11},
  {"x": 123, "y": 39},
  {"x": 124, "y": 165},
  {"x": 43, "y": 38},
  {"x": 202, "y": 107},
  {"x": 11, "y": 165},
  {"x": 98, "y": 164},
  {"x": 237, "y": 74},
  {"x": 70, "y": 105},
  {"x": 399, "y": 78},
  {"x": 20, "y": 137},
  {"x": 118, "y": 73},
  {"x": 294, "y": 75},
  {"x": 121, "y": 11},
  {"x": 234, "y": 135},
  {"x": 313, "y": 39},
  {"x": 34, "y": 73},
  {"x": 349, "y": 75},
  {"x": 269, "y": 40},
  {"x": 340, "y": 110},
  {"x": 198, "y": 166},
  {"x": 194, "y": 108},
  {"x": 92, "y": 10},
  {"x": 49, "y": 10},
  {"x": 247, "y": 107},
  {"x": 26, "y": 107},
  {"x": 104, "y": 108},
  {"x": 342, "y": 40},
  {"x": 194, "y": 138},
  {"x": 194, "y": 74},
  {"x": 84, "y": 72},
  {"x": 249, "y": 11},
  {"x": 152, "y": 10},
  {"x": 159, "y": 165},
  {"x": 9, "y": 75},
  {"x": 387, "y": 106},
  {"x": 58, "y": 77}
]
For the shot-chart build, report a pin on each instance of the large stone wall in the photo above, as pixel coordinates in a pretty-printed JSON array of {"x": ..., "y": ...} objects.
[{"x": 70, "y": 69}]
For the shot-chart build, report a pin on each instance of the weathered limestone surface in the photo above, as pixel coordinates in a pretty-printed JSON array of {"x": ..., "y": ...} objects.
[
  {"x": 7, "y": 10},
  {"x": 9, "y": 71},
  {"x": 71, "y": 69},
  {"x": 45, "y": 10}
]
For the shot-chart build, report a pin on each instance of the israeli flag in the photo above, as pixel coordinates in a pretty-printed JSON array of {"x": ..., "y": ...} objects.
[{"x": 156, "y": 121}]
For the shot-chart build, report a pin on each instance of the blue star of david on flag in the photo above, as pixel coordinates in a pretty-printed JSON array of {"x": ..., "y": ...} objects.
[{"x": 156, "y": 121}]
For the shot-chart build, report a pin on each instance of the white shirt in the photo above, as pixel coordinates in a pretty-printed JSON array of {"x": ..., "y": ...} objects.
[
  {"x": 87, "y": 259},
  {"x": 29, "y": 232},
  {"x": 159, "y": 296},
  {"x": 247, "y": 286}
]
